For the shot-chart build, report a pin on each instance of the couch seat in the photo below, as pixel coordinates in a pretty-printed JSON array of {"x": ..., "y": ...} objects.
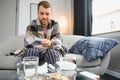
[{"x": 81, "y": 61}]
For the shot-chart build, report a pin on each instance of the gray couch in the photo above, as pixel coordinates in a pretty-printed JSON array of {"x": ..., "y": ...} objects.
[{"x": 8, "y": 63}]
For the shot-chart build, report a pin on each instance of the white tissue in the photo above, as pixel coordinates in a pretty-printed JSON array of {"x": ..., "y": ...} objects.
[
  {"x": 66, "y": 65},
  {"x": 42, "y": 69}
]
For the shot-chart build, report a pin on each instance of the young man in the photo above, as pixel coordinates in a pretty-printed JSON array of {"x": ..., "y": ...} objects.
[{"x": 43, "y": 36}]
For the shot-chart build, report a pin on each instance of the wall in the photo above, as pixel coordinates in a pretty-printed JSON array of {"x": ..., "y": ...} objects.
[
  {"x": 7, "y": 18},
  {"x": 59, "y": 8}
]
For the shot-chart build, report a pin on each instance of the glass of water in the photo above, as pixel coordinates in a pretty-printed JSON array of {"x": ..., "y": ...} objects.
[{"x": 30, "y": 66}]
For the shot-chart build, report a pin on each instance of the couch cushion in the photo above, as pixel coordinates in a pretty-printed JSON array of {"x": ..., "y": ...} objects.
[
  {"x": 9, "y": 62},
  {"x": 81, "y": 61},
  {"x": 11, "y": 43},
  {"x": 69, "y": 40},
  {"x": 93, "y": 47}
]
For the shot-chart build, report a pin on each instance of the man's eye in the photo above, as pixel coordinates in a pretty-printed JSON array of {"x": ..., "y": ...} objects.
[
  {"x": 47, "y": 14},
  {"x": 41, "y": 13}
]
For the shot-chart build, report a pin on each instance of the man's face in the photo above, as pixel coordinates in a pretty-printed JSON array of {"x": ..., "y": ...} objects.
[{"x": 44, "y": 15}]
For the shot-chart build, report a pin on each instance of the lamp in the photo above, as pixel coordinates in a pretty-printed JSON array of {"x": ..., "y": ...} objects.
[{"x": 63, "y": 23}]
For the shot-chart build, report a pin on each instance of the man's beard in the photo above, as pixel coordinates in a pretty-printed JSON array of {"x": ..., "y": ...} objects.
[{"x": 44, "y": 22}]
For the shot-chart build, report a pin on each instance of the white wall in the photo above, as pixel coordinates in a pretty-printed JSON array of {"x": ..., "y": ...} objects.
[
  {"x": 59, "y": 8},
  {"x": 7, "y": 18}
]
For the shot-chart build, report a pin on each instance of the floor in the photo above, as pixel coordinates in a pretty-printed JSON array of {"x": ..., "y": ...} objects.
[
  {"x": 103, "y": 77},
  {"x": 108, "y": 77}
]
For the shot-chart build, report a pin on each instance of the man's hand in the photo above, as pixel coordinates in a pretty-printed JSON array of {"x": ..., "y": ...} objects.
[{"x": 46, "y": 43}]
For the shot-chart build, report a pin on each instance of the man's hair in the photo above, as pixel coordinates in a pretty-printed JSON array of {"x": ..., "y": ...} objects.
[{"x": 45, "y": 4}]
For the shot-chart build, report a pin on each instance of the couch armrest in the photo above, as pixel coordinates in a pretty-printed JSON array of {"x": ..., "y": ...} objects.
[
  {"x": 102, "y": 68},
  {"x": 105, "y": 61}
]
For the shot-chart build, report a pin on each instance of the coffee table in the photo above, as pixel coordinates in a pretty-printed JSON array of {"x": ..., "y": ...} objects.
[
  {"x": 53, "y": 76},
  {"x": 59, "y": 75},
  {"x": 76, "y": 74},
  {"x": 66, "y": 75}
]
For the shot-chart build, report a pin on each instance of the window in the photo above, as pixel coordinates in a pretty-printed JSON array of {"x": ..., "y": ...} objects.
[{"x": 106, "y": 16}]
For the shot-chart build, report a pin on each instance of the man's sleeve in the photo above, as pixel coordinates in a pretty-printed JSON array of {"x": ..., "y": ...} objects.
[
  {"x": 56, "y": 37},
  {"x": 29, "y": 38}
]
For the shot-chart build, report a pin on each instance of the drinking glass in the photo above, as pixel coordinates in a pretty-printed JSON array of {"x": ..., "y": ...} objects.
[
  {"x": 30, "y": 66},
  {"x": 20, "y": 71}
]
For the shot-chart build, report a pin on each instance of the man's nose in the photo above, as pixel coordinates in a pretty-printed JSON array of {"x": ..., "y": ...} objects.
[{"x": 45, "y": 16}]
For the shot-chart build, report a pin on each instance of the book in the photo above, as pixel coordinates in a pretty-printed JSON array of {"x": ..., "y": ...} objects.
[{"x": 90, "y": 75}]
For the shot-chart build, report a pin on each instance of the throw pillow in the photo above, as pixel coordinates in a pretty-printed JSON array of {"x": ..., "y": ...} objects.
[{"x": 93, "y": 47}]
